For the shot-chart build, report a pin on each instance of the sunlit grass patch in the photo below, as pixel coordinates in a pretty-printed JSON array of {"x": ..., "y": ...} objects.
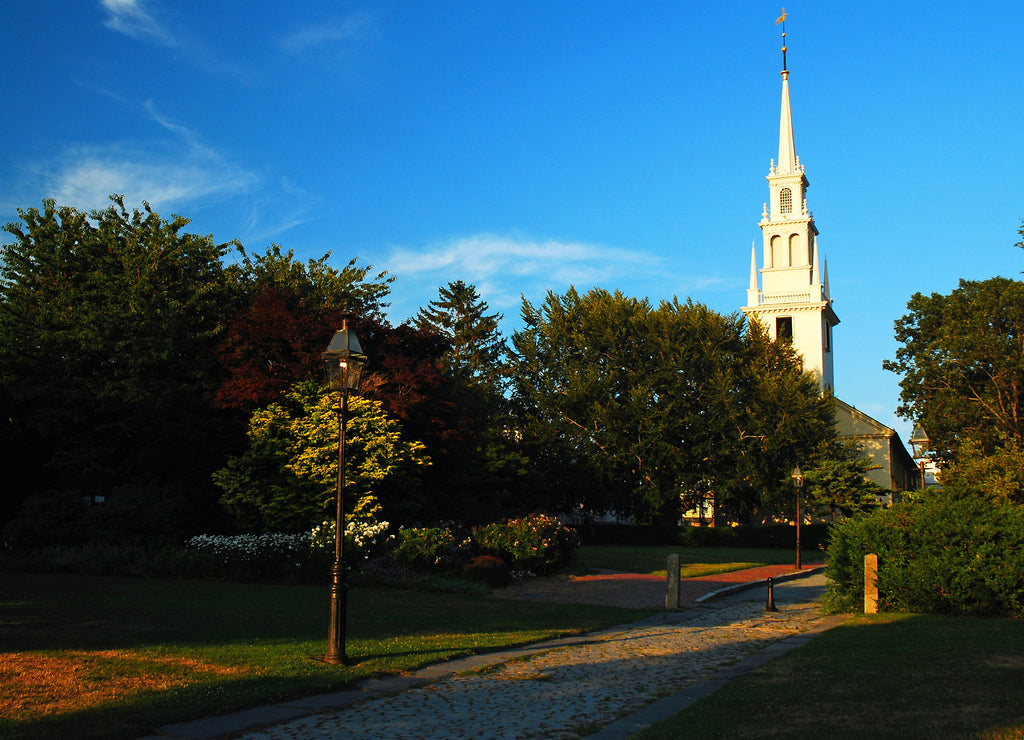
[{"x": 71, "y": 681}]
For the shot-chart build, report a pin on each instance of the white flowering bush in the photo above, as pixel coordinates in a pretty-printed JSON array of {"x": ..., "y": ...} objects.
[
  {"x": 362, "y": 539},
  {"x": 302, "y": 556},
  {"x": 251, "y": 557}
]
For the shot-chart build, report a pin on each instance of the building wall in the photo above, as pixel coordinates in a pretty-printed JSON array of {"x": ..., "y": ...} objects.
[{"x": 897, "y": 469}]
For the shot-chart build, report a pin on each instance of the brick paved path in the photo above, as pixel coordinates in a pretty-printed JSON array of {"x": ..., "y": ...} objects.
[{"x": 635, "y": 591}]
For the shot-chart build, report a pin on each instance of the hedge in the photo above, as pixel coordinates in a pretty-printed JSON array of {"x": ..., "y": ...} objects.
[{"x": 941, "y": 555}]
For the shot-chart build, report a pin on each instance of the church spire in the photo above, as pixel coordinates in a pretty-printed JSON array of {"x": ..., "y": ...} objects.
[
  {"x": 793, "y": 301},
  {"x": 753, "y": 292},
  {"x": 787, "y": 150}
]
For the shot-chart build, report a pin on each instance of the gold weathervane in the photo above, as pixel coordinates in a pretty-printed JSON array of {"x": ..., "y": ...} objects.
[{"x": 782, "y": 19}]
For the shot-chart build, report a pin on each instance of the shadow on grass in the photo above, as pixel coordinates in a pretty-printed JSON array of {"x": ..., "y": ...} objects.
[
  {"x": 275, "y": 635},
  {"x": 885, "y": 676}
]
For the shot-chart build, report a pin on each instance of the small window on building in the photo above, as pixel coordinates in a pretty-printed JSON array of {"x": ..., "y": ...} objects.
[
  {"x": 784, "y": 328},
  {"x": 785, "y": 200}
]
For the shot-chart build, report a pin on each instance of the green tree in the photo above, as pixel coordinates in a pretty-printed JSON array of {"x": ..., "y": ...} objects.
[
  {"x": 578, "y": 372},
  {"x": 318, "y": 287},
  {"x": 995, "y": 472},
  {"x": 108, "y": 322},
  {"x": 962, "y": 362},
  {"x": 481, "y": 463},
  {"x": 782, "y": 419},
  {"x": 286, "y": 479},
  {"x": 839, "y": 482},
  {"x": 475, "y": 345},
  {"x": 657, "y": 406}
]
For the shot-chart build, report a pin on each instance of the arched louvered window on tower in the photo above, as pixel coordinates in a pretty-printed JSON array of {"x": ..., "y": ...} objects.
[
  {"x": 785, "y": 201},
  {"x": 780, "y": 257},
  {"x": 795, "y": 253}
]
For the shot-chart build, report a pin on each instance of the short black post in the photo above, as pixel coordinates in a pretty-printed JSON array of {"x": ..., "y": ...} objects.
[{"x": 770, "y": 606}]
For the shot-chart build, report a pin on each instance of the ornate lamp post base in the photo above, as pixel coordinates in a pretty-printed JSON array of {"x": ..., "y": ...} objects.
[{"x": 339, "y": 612}]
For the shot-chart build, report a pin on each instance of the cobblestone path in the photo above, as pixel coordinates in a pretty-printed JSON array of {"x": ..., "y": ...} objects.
[{"x": 568, "y": 691}]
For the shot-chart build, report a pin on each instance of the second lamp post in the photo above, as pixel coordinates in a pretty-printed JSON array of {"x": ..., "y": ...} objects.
[
  {"x": 343, "y": 363},
  {"x": 798, "y": 483}
]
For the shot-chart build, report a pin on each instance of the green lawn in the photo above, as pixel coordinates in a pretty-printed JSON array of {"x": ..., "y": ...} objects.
[
  {"x": 97, "y": 657},
  {"x": 883, "y": 676},
  {"x": 694, "y": 561},
  {"x": 86, "y": 656}
]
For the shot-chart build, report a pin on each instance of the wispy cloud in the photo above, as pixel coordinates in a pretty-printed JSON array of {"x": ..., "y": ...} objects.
[
  {"x": 143, "y": 21},
  {"x": 175, "y": 171},
  {"x": 136, "y": 19},
  {"x": 84, "y": 176},
  {"x": 275, "y": 208},
  {"x": 339, "y": 31},
  {"x": 347, "y": 47},
  {"x": 166, "y": 172},
  {"x": 507, "y": 268},
  {"x": 484, "y": 255},
  {"x": 504, "y": 268}
]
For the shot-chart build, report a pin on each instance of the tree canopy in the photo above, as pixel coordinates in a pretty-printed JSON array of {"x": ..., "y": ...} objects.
[
  {"x": 137, "y": 359},
  {"x": 107, "y": 326},
  {"x": 962, "y": 362},
  {"x": 286, "y": 478},
  {"x": 659, "y": 405},
  {"x": 287, "y": 312},
  {"x": 477, "y": 475},
  {"x": 118, "y": 329}
]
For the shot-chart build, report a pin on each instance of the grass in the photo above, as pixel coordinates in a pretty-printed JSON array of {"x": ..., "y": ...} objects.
[
  {"x": 883, "y": 676},
  {"x": 694, "y": 561},
  {"x": 104, "y": 657}
]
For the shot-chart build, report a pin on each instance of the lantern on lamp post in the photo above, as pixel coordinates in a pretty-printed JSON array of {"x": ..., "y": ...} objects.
[
  {"x": 798, "y": 483},
  {"x": 343, "y": 365},
  {"x": 919, "y": 443}
]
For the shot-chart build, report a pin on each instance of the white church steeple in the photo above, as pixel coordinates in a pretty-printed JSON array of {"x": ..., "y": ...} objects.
[{"x": 793, "y": 301}]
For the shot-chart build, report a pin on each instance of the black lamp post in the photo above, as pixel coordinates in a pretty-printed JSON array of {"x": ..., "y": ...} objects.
[
  {"x": 798, "y": 483},
  {"x": 343, "y": 363},
  {"x": 919, "y": 443}
]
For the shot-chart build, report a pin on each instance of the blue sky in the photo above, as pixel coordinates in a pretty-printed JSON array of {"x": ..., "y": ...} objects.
[{"x": 530, "y": 146}]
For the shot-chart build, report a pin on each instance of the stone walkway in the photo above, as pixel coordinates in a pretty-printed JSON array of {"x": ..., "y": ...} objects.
[{"x": 565, "y": 688}]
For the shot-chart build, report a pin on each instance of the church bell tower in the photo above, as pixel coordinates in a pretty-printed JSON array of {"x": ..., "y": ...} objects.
[{"x": 793, "y": 301}]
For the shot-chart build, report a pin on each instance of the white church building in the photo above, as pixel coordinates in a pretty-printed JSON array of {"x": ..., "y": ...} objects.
[{"x": 789, "y": 295}]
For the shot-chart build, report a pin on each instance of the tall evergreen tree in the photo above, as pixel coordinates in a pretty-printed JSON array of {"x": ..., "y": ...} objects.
[
  {"x": 475, "y": 345},
  {"x": 479, "y": 471}
]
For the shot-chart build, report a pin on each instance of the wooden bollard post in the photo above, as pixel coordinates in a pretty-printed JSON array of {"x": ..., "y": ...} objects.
[
  {"x": 871, "y": 583},
  {"x": 672, "y": 596}
]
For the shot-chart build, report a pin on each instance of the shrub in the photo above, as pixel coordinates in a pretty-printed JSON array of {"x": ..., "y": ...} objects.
[
  {"x": 429, "y": 548},
  {"x": 489, "y": 570},
  {"x": 250, "y": 557},
  {"x": 940, "y": 554},
  {"x": 536, "y": 542},
  {"x": 95, "y": 558}
]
